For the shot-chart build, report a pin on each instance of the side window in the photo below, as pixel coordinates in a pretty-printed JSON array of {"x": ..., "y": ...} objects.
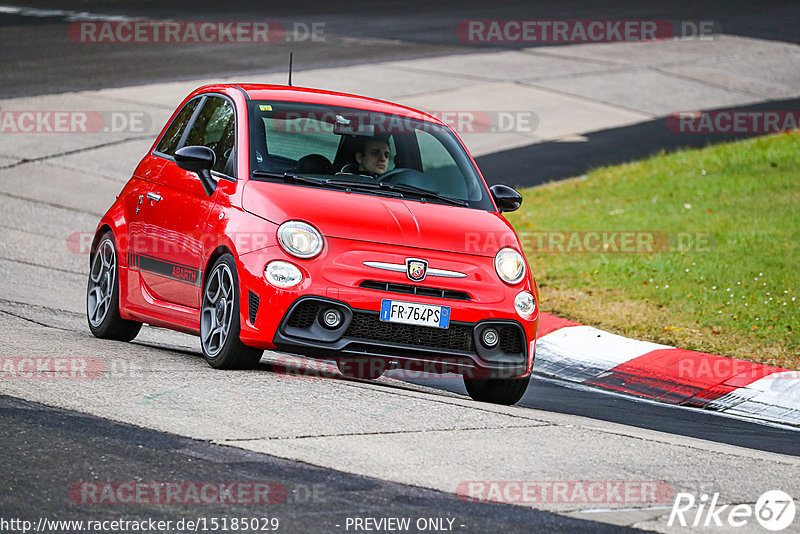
[
  {"x": 434, "y": 155},
  {"x": 440, "y": 167},
  {"x": 215, "y": 127},
  {"x": 169, "y": 143}
]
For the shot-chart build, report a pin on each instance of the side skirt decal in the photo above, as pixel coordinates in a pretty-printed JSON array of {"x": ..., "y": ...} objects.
[{"x": 167, "y": 269}]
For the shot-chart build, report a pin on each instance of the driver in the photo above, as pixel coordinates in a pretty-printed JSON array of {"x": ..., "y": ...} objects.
[{"x": 373, "y": 157}]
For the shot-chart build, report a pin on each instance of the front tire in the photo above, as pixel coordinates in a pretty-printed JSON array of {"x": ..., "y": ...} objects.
[
  {"x": 220, "y": 320},
  {"x": 102, "y": 294},
  {"x": 505, "y": 391}
]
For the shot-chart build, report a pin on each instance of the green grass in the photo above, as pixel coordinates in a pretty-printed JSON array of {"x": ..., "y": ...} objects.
[{"x": 735, "y": 294}]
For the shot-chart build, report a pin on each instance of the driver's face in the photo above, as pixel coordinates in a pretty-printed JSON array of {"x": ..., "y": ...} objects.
[{"x": 375, "y": 159}]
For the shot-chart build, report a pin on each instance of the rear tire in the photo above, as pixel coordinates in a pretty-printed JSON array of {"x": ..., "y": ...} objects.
[
  {"x": 505, "y": 391},
  {"x": 102, "y": 294},
  {"x": 220, "y": 324}
]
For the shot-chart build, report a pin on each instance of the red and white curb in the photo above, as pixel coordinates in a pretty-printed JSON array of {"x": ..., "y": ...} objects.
[{"x": 586, "y": 355}]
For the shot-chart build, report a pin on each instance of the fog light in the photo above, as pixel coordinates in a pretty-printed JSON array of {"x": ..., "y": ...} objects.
[
  {"x": 283, "y": 274},
  {"x": 525, "y": 304},
  {"x": 490, "y": 337},
  {"x": 332, "y": 318}
]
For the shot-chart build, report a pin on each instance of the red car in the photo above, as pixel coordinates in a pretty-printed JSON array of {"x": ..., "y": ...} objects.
[{"x": 329, "y": 225}]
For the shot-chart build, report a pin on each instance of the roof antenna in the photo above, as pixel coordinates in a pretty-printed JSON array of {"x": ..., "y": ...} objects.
[{"x": 290, "y": 69}]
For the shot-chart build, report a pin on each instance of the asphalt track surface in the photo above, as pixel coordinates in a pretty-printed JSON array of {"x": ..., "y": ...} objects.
[
  {"x": 550, "y": 161},
  {"x": 48, "y": 450},
  {"x": 562, "y": 397},
  {"x": 43, "y": 450},
  {"x": 39, "y": 57}
]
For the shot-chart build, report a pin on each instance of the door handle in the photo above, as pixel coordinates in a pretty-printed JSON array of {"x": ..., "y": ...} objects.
[{"x": 154, "y": 197}]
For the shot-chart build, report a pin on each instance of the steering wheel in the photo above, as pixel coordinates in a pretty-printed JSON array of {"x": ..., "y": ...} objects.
[
  {"x": 349, "y": 168},
  {"x": 390, "y": 175},
  {"x": 404, "y": 175}
]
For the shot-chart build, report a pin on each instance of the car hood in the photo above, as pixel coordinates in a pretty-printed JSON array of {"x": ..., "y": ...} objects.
[{"x": 378, "y": 219}]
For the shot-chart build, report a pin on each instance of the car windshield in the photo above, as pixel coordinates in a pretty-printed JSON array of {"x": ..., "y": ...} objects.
[{"x": 362, "y": 151}]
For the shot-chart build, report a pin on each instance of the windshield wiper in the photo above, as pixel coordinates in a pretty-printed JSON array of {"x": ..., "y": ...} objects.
[
  {"x": 363, "y": 186},
  {"x": 290, "y": 177},
  {"x": 421, "y": 192},
  {"x": 348, "y": 183},
  {"x": 383, "y": 187}
]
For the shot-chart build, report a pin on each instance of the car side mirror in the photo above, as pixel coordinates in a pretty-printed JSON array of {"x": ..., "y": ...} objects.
[
  {"x": 506, "y": 198},
  {"x": 198, "y": 159}
]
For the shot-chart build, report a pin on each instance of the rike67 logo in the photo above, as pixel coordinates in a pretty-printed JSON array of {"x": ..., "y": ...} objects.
[{"x": 774, "y": 510}]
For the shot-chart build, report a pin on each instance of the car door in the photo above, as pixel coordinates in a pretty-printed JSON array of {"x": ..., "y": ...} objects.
[{"x": 175, "y": 212}]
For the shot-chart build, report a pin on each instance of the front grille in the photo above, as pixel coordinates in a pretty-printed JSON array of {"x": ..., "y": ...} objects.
[
  {"x": 510, "y": 339},
  {"x": 369, "y": 326},
  {"x": 304, "y": 315},
  {"x": 252, "y": 306},
  {"x": 415, "y": 290}
]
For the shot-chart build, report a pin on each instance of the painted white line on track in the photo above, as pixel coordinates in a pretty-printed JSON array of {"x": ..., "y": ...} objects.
[
  {"x": 617, "y": 510},
  {"x": 69, "y": 16}
]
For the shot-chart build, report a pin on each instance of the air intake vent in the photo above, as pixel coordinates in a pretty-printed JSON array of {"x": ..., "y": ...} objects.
[
  {"x": 369, "y": 326},
  {"x": 253, "y": 306},
  {"x": 420, "y": 291},
  {"x": 304, "y": 315},
  {"x": 511, "y": 339}
]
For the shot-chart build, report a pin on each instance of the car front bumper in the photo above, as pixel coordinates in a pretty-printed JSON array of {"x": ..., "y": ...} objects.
[{"x": 290, "y": 319}]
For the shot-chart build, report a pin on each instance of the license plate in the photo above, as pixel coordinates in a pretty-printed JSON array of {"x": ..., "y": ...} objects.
[{"x": 395, "y": 311}]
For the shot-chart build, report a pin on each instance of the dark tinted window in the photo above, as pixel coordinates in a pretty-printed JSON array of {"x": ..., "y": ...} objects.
[
  {"x": 321, "y": 142},
  {"x": 215, "y": 127},
  {"x": 169, "y": 143}
]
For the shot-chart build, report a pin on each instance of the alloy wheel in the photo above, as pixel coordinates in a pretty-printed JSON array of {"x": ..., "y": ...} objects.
[{"x": 217, "y": 311}]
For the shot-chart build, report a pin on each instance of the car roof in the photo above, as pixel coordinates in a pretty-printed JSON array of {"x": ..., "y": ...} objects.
[{"x": 287, "y": 93}]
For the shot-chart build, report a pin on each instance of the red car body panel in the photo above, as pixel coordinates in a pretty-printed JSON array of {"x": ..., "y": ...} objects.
[
  {"x": 179, "y": 235},
  {"x": 381, "y": 220}
]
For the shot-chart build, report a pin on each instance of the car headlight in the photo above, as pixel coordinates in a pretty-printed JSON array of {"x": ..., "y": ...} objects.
[
  {"x": 525, "y": 304},
  {"x": 300, "y": 239},
  {"x": 510, "y": 265},
  {"x": 283, "y": 274}
]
